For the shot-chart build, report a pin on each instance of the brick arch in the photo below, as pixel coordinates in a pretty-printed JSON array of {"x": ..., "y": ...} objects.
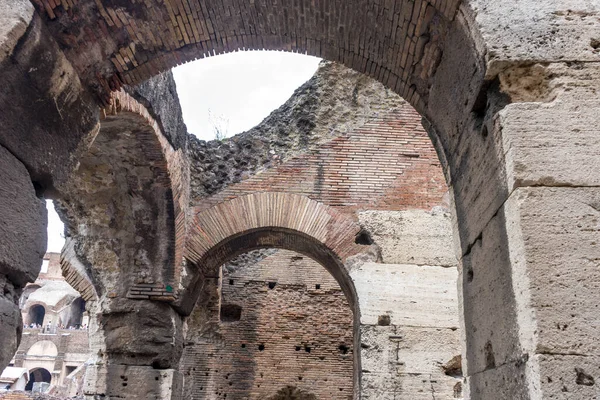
[
  {"x": 131, "y": 184},
  {"x": 172, "y": 163},
  {"x": 400, "y": 43},
  {"x": 270, "y": 220},
  {"x": 274, "y": 220}
]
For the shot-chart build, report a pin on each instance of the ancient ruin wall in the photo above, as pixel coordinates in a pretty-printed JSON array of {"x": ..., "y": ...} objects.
[
  {"x": 284, "y": 321},
  {"x": 384, "y": 172},
  {"x": 360, "y": 147},
  {"x": 334, "y": 102}
]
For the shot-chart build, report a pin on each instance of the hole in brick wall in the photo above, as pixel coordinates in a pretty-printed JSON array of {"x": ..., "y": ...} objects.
[
  {"x": 343, "y": 348},
  {"x": 243, "y": 345},
  {"x": 296, "y": 258},
  {"x": 231, "y": 312},
  {"x": 231, "y": 281},
  {"x": 384, "y": 320},
  {"x": 272, "y": 285},
  {"x": 299, "y": 378},
  {"x": 317, "y": 286},
  {"x": 363, "y": 238},
  {"x": 261, "y": 347},
  {"x": 307, "y": 349},
  {"x": 298, "y": 348}
]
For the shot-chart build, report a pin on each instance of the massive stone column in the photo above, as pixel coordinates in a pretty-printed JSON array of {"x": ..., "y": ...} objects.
[
  {"x": 523, "y": 168},
  {"x": 22, "y": 214},
  {"x": 22, "y": 246},
  {"x": 137, "y": 345}
]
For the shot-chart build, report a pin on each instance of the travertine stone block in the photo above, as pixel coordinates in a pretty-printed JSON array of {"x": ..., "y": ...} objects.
[{"x": 22, "y": 222}]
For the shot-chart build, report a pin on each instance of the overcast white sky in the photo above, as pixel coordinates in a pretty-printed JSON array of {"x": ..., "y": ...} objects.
[{"x": 240, "y": 88}]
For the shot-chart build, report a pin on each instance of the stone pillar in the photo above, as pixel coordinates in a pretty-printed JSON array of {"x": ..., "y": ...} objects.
[
  {"x": 530, "y": 277},
  {"x": 139, "y": 344},
  {"x": 22, "y": 247}
]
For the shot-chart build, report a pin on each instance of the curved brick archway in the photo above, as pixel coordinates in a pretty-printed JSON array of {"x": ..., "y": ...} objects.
[
  {"x": 270, "y": 219},
  {"x": 129, "y": 173},
  {"x": 400, "y": 43},
  {"x": 273, "y": 220}
]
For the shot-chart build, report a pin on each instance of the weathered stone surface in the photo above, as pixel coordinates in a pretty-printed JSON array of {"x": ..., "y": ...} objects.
[
  {"x": 513, "y": 380},
  {"x": 487, "y": 282},
  {"x": 411, "y": 237},
  {"x": 405, "y": 362},
  {"x": 132, "y": 382},
  {"x": 562, "y": 266},
  {"x": 11, "y": 327},
  {"x": 517, "y": 31},
  {"x": 15, "y": 17},
  {"x": 42, "y": 99},
  {"x": 159, "y": 95},
  {"x": 409, "y": 294},
  {"x": 547, "y": 143},
  {"x": 565, "y": 376},
  {"x": 142, "y": 333},
  {"x": 22, "y": 223}
]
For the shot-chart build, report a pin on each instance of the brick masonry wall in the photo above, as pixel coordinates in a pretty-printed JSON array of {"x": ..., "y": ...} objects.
[
  {"x": 398, "y": 43},
  {"x": 347, "y": 174},
  {"x": 306, "y": 333},
  {"x": 387, "y": 163}
]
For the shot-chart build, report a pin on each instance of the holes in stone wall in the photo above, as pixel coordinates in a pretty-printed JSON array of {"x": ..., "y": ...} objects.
[
  {"x": 490, "y": 359},
  {"x": 583, "y": 378},
  {"x": 307, "y": 349},
  {"x": 231, "y": 282},
  {"x": 231, "y": 313},
  {"x": 453, "y": 367},
  {"x": 363, "y": 238},
  {"x": 458, "y": 390},
  {"x": 384, "y": 320},
  {"x": 272, "y": 285},
  {"x": 343, "y": 349},
  {"x": 261, "y": 347},
  {"x": 317, "y": 286},
  {"x": 470, "y": 275}
]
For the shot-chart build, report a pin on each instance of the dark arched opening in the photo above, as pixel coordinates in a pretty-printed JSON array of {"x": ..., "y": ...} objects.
[
  {"x": 206, "y": 288},
  {"x": 284, "y": 320},
  {"x": 36, "y": 315},
  {"x": 38, "y": 375},
  {"x": 77, "y": 310}
]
